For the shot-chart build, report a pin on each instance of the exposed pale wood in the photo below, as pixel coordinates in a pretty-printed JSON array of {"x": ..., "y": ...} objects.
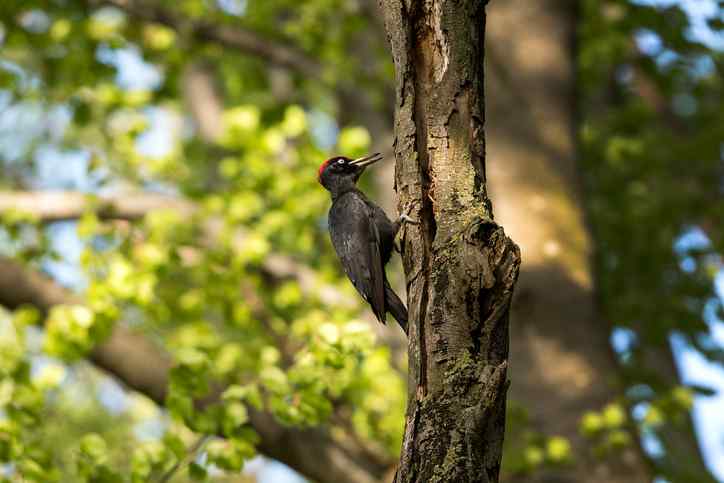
[{"x": 460, "y": 266}]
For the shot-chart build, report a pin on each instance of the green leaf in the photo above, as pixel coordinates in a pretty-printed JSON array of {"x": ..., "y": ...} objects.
[
  {"x": 235, "y": 415},
  {"x": 197, "y": 472},
  {"x": 94, "y": 447}
]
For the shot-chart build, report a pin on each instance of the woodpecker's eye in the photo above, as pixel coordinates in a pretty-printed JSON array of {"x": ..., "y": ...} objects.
[{"x": 340, "y": 161}]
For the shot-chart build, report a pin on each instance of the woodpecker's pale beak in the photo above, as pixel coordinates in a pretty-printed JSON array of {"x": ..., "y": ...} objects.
[{"x": 367, "y": 160}]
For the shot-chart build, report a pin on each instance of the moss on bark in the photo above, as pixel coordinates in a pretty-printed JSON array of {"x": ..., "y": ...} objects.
[{"x": 460, "y": 266}]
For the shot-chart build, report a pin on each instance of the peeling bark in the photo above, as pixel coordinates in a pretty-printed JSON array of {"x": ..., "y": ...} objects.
[{"x": 460, "y": 266}]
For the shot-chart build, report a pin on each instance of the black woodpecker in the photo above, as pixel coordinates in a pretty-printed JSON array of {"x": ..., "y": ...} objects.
[{"x": 362, "y": 235}]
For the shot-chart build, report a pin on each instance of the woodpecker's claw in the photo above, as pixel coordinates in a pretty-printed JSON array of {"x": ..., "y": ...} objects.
[
  {"x": 405, "y": 216},
  {"x": 401, "y": 220},
  {"x": 407, "y": 219}
]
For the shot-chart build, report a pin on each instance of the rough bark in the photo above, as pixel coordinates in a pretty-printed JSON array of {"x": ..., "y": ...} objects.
[
  {"x": 562, "y": 364},
  {"x": 460, "y": 266},
  {"x": 142, "y": 366}
]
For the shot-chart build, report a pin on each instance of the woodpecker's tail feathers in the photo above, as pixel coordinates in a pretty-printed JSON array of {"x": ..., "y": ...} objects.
[{"x": 396, "y": 307}]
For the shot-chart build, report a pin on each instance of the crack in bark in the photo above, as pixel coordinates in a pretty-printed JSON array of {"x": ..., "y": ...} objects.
[
  {"x": 420, "y": 119},
  {"x": 460, "y": 265}
]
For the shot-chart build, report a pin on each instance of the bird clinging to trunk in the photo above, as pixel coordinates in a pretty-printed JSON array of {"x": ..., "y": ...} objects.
[{"x": 362, "y": 235}]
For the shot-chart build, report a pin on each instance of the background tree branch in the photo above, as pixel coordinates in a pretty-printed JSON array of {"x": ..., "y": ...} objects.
[
  {"x": 203, "y": 100},
  {"x": 50, "y": 206},
  {"x": 231, "y": 36}
]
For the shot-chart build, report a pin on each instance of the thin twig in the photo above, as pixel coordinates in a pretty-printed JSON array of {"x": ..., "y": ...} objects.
[{"x": 190, "y": 456}]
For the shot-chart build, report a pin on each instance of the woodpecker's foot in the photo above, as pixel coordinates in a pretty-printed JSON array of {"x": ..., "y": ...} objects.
[
  {"x": 401, "y": 220},
  {"x": 405, "y": 216}
]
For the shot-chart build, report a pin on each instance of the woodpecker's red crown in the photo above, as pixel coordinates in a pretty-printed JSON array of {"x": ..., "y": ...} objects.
[{"x": 324, "y": 165}]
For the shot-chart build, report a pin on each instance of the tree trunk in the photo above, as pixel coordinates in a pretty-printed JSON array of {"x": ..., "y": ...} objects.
[
  {"x": 460, "y": 266},
  {"x": 562, "y": 363}
]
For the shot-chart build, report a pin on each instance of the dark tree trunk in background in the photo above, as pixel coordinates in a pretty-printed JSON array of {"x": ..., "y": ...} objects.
[
  {"x": 460, "y": 266},
  {"x": 562, "y": 364}
]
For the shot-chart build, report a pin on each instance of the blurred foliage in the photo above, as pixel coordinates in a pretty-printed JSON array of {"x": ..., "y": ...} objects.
[
  {"x": 527, "y": 450},
  {"x": 86, "y": 83},
  {"x": 195, "y": 283},
  {"x": 652, "y": 144}
]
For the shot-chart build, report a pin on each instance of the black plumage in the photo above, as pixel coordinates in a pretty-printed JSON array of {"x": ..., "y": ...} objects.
[{"x": 362, "y": 234}]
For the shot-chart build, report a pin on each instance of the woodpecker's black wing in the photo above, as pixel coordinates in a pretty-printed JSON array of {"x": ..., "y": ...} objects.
[{"x": 357, "y": 241}]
